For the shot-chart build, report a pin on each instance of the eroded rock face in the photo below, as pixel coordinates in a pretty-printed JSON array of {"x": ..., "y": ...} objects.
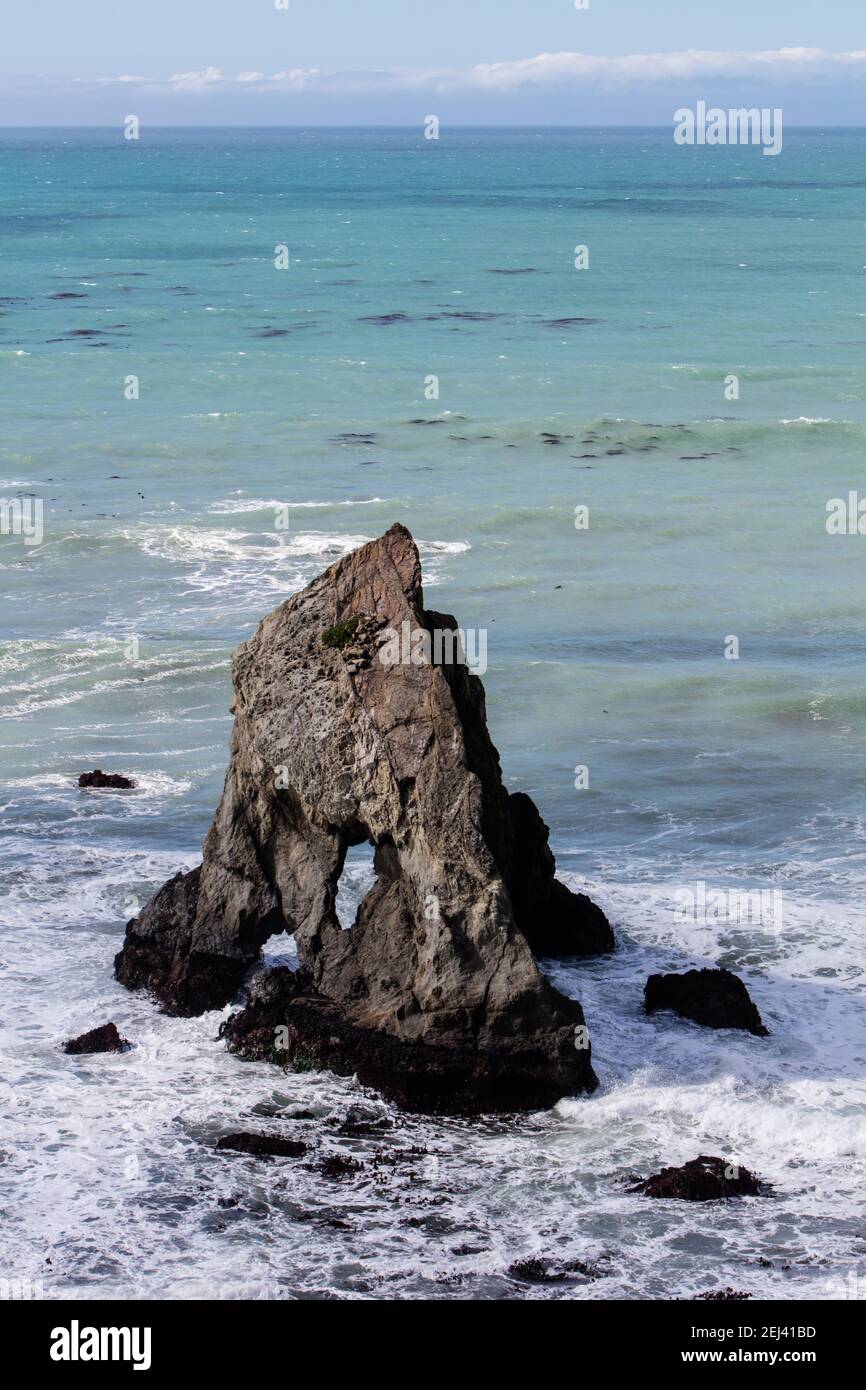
[
  {"x": 433, "y": 995},
  {"x": 714, "y": 998}
]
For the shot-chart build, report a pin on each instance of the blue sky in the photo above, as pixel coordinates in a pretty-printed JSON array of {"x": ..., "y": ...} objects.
[{"x": 394, "y": 61}]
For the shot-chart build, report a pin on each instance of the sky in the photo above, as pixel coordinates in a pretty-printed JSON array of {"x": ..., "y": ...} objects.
[{"x": 476, "y": 62}]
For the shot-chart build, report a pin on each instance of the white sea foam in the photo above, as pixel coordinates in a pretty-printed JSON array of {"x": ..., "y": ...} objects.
[
  {"x": 147, "y": 784},
  {"x": 252, "y": 567},
  {"x": 232, "y": 506},
  {"x": 28, "y": 699},
  {"x": 123, "y": 1146}
]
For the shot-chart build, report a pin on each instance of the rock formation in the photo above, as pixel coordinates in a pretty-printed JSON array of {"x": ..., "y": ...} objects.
[
  {"x": 104, "y": 1039},
  {"x": 98, "y": 778},
  {"x": 538, "y": 1269},
  {"x": 703, "y": 1179},
  {"x": 357, "y": 719},
  {"x": 262, "y": 1145},
  {"x": 714, "y": 998},
  {"x": 727, "y": 1295},
  {"x": 555, "y": 921}
]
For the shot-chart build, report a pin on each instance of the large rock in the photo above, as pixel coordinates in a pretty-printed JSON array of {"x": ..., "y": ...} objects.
[
  {"x": 341, "y": 736},
  {"x": 715, "y": 998}
]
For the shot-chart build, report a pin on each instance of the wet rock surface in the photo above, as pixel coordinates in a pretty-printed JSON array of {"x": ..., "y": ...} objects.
[
  {"x": 98, "y": 778},
  {"x": 538, "y": 1269},
  {"x": 339, "y": 1166},
  {"x": 704, "y": 1179},
  {"x": 262, "y": 1145},
  {"x": 103, "y": 1039},
  {"x": 714, "y": 998},
  {"x": 433, "y": 996}
]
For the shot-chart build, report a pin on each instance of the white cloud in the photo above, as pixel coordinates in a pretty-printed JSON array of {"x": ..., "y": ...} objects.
[
  {"x": 195, "y": 81},
  {"x": 205, "y": 79},
  {"x": 126, "y": 77},
  {"x": 545, "y": 69},
  {"x": 551, "y": 68}
]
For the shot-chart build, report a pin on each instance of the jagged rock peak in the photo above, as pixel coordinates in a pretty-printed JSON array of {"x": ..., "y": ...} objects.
[{"x": 343, "y": 734}]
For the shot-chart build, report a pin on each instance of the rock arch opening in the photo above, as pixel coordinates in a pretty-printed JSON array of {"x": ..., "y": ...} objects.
[{"x": 355, "y": 880}]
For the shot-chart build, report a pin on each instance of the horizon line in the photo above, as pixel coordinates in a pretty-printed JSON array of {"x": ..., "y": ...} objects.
[{"x": 393, "y": 125}]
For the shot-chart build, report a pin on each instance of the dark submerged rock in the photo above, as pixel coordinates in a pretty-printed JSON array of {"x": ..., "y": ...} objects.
[
  {"x": 104, "y": 1039},
  {"x": 703, "y": 1179},
  {"x": 433, "y": 996},
  {"x": 727, "y": 1295},
  {"x": 714, "y": 998},
  {"x": 397, "y": 316},
  {"x": 105, "y": 779},
  {"x": 539, "y": 1270},
  {"x": 339, "y": 1166},
  {"x": 263, "y": 1145}
]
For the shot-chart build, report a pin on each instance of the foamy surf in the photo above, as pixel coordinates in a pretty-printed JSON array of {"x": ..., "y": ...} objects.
[
  {"x": 237, "y": 506},
  {"x": 129, "y": 1173}
]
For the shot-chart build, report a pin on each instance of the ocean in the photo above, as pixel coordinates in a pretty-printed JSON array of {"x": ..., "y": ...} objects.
[{"x": 675, "y": 674}]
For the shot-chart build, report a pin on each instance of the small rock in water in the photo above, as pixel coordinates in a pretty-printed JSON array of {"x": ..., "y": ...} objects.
[
  {"x": 728, "y": 1295},
  {"x": 339, "y": 1166},
  {"x": 703, "y": 1179},
  {"x": 538, "y": 1270},
  {"x": 262, "y": 1145},
  {"x": 714, "y": 998},
  {"x": 104, "y": 1039},
  {"x": 359, "y": 1121},
  {"x": 105, "y": 779}
]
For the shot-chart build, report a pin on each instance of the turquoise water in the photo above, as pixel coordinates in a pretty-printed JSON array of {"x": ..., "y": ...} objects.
[{"x": 558, "y": 388}]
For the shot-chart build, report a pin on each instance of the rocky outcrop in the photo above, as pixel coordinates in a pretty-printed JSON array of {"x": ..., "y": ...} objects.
[
  {"x": 539, "y": 1270},
  {"x": 554, "y": 920},
  {"x": 98, "y": 778},
  {"x": 714, "y": 998},
  {"x": 703, "y": 1179},
  {"x": 727, "y": 1295},
  {"x": 357, "y": 719},
  {"x": 262, "y": 1145},
  {"x": 104, "y": 1039},
  {"x": 188, "y": 962}
]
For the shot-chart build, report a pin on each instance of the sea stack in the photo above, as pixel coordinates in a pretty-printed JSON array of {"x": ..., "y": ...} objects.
[{"x": 433, "y": 995}]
